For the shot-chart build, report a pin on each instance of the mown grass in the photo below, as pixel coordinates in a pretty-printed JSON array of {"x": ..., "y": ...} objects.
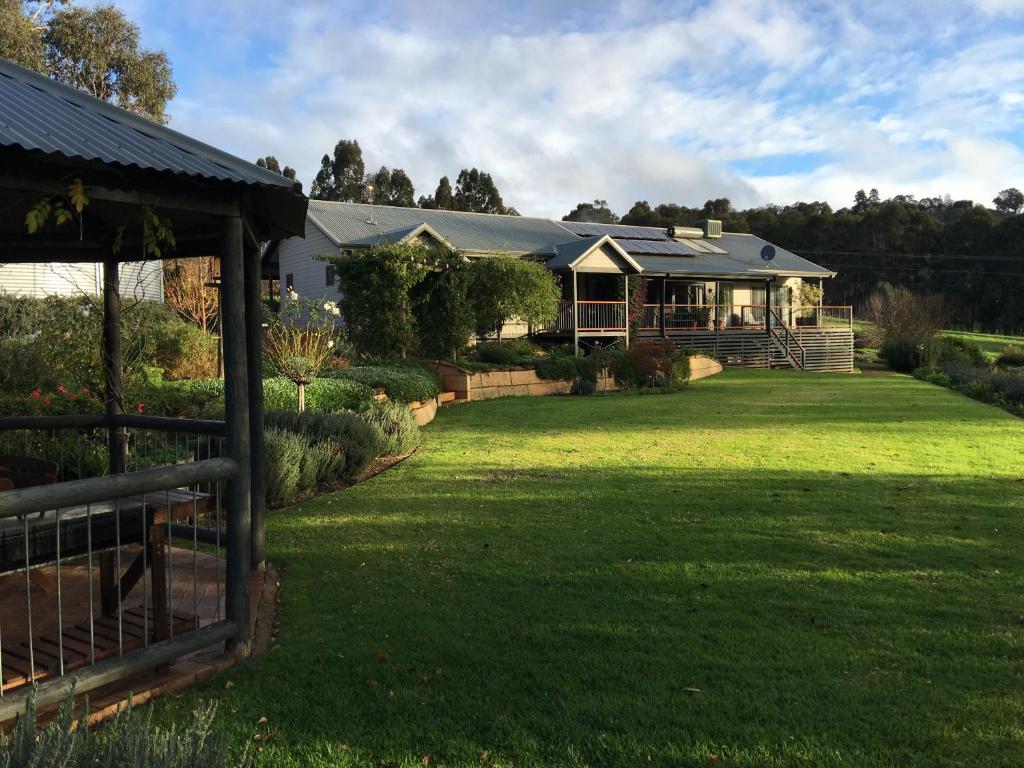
[
  {"x": 768, "y": 569},
  {"x": 991, "y": 343}
]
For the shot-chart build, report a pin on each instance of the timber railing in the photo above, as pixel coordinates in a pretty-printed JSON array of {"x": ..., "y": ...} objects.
[{"x": 106, "y": 575}]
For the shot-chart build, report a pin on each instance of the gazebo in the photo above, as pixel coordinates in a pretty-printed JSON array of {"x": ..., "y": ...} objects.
[{"x": 131, "y": 176}]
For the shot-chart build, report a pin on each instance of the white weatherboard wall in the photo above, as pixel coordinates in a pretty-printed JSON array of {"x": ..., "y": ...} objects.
[
  {"x": 298, "y": 257},
  {"x": 140, "y": 280}
]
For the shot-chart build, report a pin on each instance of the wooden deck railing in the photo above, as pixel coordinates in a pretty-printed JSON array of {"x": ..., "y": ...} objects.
[{"x": 610, "y": 316}]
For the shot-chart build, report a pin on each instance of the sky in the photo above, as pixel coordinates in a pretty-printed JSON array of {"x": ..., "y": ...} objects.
[{"x": 759, "y": 101}]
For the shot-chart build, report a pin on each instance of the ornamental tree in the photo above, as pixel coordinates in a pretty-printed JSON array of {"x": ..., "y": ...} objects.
[
  {"x": 300, "y": 340},
  {"x": 377, "y": 306},
  {"x": 505, "y": 287},
  {"x": 442, "y": 306}
]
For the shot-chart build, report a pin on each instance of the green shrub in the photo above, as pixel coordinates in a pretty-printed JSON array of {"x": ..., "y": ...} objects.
[
  {"x": 351, "y": 440},
  {"x": 933, "y": 376},
  {"x": 507, "y": 351},
  {"x": 581, "y": 386},
  {"x": 904, "y": 353},
  {"x": 954, "y": 349},
  {"x": 322, "y": 395},
  {"x": 129, "y": 738},
  {"x": 284, "y": 453},
  {"x": 1011, "y": 357},
  {"x": 651, "y": 363},
  {"x": 192, "y": 398},
  {"x": 394, "y": 426},
  {"x": 557, "y": 367},
  {"x": 404, "y": 383}
]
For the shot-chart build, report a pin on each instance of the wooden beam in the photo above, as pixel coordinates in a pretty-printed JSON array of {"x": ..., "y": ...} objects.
[
  {"x": 575, "y": 317},
  {"x": 236, "y": 389},
  {"x": 625, "y": 283},
  {"x": 114, "y": 669},
  {"x": 661, "y": 323},
  {"x": 254, "y": 353},
  {"x": 92, "y": 490},
  {"x": 114, "y": 389}
]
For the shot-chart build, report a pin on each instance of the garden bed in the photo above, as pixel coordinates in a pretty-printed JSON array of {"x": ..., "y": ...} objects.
[{"x": 469, "y": 385}]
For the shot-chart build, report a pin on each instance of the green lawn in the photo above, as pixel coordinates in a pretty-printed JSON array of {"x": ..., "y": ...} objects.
[
  {"x": 833, "y": 561},
  {"x": 990, "y": 343}
]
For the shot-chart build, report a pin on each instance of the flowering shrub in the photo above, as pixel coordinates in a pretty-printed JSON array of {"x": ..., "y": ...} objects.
[{"x": 299, "y": 341}]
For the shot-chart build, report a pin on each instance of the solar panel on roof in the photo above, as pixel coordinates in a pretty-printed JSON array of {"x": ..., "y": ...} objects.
[{"x": 666, "y": 247}]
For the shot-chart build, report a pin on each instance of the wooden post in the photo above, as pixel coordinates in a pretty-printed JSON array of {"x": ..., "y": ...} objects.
[
  {"x": 768, "y": 307},
  {"x": 625, "y": 283},
  {"x": 575, "y": 317},
  {"x": 254, "y": 353},
  {"x": 661, "y": 307},
  {"x": 114, "y": 395},
  {"x": 236, "y": 390},
  {"x": 718, "y": 303}
]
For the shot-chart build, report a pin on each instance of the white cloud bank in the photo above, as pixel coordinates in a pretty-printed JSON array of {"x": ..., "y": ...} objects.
[{"x": 638, "y": 100}]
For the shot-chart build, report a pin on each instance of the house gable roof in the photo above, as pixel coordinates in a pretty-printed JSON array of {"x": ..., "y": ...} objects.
[
  {"x": 571, "y": 254},
  {"x": 403, "y": 235}
]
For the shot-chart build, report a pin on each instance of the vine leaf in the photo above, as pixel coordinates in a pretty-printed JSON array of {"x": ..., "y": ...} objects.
[
  {"x": 76, "y": 193},
  {"x": 37, "y": 216}
]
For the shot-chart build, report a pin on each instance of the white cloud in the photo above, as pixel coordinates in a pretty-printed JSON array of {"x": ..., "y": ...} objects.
[{"x": 630, "y": 101}]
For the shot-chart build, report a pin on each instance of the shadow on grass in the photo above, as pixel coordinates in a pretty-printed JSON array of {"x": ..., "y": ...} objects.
[{"x": 565, "y": 617}]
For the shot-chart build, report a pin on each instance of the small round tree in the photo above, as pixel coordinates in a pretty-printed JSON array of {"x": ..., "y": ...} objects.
[
  {"x": 300, "y": 340},
  {"x": 504, "y": 287}
]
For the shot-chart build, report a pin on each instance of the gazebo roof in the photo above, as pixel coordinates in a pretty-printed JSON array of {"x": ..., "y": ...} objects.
[{"x": 47, "y": 122}]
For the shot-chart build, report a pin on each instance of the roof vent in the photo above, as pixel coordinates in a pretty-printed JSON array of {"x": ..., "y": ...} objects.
[
  {"x": 684, "y": 233},
  {"x": 712, "y": 228}
]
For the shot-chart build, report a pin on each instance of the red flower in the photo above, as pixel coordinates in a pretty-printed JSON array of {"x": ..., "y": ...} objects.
[
  {"x": 140, "y": 408},
  {"x": 85, "y": 390},
  {"x": 62, "y": 390},
  {"x": 46, "y": 401},
  {"x": 37, "y": 393},
  {"x": 72, "y": 397}
]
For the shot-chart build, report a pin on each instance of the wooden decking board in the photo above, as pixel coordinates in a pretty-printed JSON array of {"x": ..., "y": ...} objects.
[{"x": 76, "y": 652}]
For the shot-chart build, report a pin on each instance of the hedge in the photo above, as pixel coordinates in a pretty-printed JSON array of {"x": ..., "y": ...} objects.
[
  {"x": 406, "y": 384},
  {"x": 394, "y": 426},
  {"x": 322, "y": 395}
]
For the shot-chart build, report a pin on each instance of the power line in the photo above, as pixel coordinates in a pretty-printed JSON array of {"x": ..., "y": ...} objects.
[
  {"x": 882, "y": 267},
  {"x": 953, "y": 256}
]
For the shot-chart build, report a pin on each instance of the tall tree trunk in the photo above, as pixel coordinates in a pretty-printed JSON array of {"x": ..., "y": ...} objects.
[{"x": 302, "y": 396}]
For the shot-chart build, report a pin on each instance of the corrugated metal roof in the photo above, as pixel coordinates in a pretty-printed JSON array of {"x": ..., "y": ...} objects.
[
  {"x": 41, "y": 115},
  {"x": 618, "y": 231},
  {"x": 357, "y": 224}
]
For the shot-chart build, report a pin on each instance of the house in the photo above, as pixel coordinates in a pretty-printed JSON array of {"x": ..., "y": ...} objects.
[
  {"x": 734, "y": 296},
  {"x": 140, "y": 279}
]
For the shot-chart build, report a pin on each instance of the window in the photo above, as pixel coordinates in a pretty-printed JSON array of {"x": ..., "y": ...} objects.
[
  {"x": 289, "y": 281},
  {"x": 330, "y": 274}
]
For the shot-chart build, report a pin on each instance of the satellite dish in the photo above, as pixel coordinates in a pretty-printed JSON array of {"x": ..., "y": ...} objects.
[{"x": 768, "y": 253}]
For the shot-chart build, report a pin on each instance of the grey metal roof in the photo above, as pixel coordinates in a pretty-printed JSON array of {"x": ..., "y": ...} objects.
[
  {"x": 618, "y": 231},
  {"x": 349, "y": 224},
  {"x": 42, "y": 115},
  {"x": 733, "y": 255},
  {"x": 568, "y": 254}
]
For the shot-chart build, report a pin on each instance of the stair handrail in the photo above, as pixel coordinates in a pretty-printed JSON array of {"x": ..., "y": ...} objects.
[{"x": 789, "y": 335}]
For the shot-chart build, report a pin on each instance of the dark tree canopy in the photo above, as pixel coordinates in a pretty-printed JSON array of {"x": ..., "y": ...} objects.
[
  {"x": 1009, "y": 201},
  {"x": 271, "y": 164},
  {"x": 341, "y": 175},
  {"x": 596, "y": 212},
  {"x": 476, "y": 191},
  {"x": 94, "y": 49},
  {"x": 392, "y": 188},
  {"x": 443, "y": 198}
]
